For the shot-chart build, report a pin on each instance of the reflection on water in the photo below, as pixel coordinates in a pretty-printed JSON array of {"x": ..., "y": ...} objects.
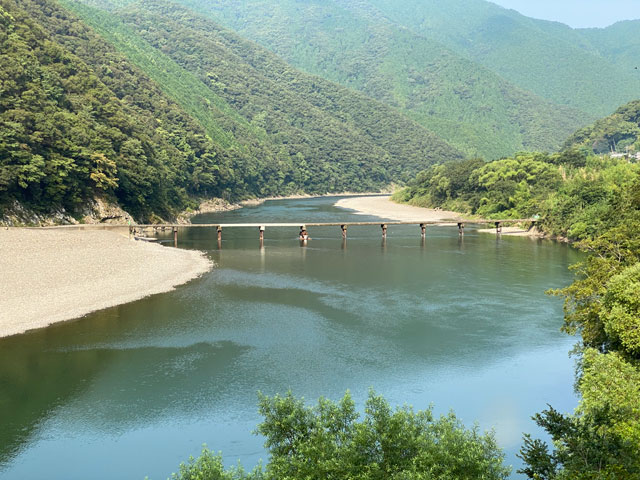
[{"x": 458, "y": 321}]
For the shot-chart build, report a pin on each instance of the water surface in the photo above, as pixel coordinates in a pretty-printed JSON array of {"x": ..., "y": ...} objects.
[{"x": 134, "y": 390}]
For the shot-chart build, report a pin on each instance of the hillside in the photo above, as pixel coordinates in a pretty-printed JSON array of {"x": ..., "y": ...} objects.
[
  {"x": 617, "y": 132},
  {"x": 620, "y": 43},
  {"x": 309, "y": 120},
  {"x": 560, "y": 64},
  {"x": 154, "y": 134},
  {"x": 353, "y": 44},
  {"x": 66, "y": 137}
]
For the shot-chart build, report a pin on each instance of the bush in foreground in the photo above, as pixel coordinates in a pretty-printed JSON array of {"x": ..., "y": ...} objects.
[{"x": 331, "y": 441}]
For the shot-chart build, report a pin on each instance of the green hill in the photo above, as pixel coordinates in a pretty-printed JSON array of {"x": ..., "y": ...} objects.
[
  {"x": 309, "y": 120},
  {"x": 154, "y": 131},
  {"x": 66, "y": 137},
  {"x": 618, "y": 132},
  {"x": 619, "y": 43},
  {"x": 353, "y": 44},
  {"x": 585, "y": 69}
]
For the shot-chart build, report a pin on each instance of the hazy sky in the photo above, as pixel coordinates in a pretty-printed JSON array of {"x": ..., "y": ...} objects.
[{"x": 577, "y": 13}]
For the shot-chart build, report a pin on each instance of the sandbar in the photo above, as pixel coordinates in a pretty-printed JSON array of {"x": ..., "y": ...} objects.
[
  {"x": 382, "y": 206},
  {"x": 58, "y": 274}
]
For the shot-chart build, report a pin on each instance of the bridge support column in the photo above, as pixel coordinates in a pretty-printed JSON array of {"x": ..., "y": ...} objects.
[
  {"x": 384, "y": 230},
  {"x": 461, "y": 228},
  {"x": 175, "y": 237},
  {"x": 423, "y": 230},
  {"x": 344, "y": 231},
  {"x": 498, "y": 227}
]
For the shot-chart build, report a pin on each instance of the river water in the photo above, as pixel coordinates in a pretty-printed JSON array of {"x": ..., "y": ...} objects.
[{"x": 131, "y": 391}]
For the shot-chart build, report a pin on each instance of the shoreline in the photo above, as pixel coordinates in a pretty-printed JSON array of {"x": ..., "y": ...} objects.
[
  {"x": 54, "y": 275},
  {"x": 259, "y": 201},
  {"x": 382, "y": 206}
]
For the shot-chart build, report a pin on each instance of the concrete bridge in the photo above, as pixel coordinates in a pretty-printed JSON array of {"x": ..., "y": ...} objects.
[{"x": 137, "y": 230}]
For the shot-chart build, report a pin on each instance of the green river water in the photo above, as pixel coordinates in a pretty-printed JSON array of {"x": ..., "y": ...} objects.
[{"x": 133, "y": 390}]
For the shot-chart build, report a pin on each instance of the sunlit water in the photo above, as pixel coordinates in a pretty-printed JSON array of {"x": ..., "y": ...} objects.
[{"x": 134, "y": 390}]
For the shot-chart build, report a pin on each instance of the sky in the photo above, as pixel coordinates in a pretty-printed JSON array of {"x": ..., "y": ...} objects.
[{"x": 577, "y": 13}]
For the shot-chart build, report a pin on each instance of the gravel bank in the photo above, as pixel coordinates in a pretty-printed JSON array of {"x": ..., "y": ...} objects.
[
  {"x": 382, "y": 206},
  {"x": 52, "y": 275}
]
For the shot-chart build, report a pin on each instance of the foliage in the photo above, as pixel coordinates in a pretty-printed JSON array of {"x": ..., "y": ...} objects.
[
  {"x": 507, "y": 188},
  {"x": 586, "y": 447},
  {"x": 66, "y": 135},
  {"x": 596, "y": 202},
  {"x": 621, "y": 310},
  {"x": 213, "y": 115},
  {"x": 325, "y": 138},
  {"x": 352, "y": 44},
  {"x": 619, "y": 131},
  {"x": 209, "y": 466},
  {"x": 329, "y": 441},
  {"x": 574, "y": 194},
  {"x": 591, "y": 69}
]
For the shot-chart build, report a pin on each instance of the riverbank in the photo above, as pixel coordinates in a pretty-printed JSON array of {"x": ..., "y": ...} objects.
[
  {"x": 53, "y": 275},
  {"x": 382, "y": 206}
]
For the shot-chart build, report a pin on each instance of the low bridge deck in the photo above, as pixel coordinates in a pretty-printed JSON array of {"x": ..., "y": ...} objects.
[{"x": 262, "y": 227}]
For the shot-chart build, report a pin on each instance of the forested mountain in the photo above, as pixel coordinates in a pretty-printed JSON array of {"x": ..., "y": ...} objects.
[
  {"x": 352, "y": 43},
  {"x": 65, "y": 136},
  {"x": 619, "y": 43},
  {"x": 617, "y": 132},
  {"x": 563, "y": 65},
  {"x": 302, "y": 115},
  {"x": 78, "y": 119}
]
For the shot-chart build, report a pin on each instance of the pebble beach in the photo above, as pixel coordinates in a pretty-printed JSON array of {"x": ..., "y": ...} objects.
[{"x": 58, "y": 274}]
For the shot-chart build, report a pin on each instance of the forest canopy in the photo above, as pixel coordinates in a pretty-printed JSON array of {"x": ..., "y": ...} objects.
[{"x": 112, "y": 111}]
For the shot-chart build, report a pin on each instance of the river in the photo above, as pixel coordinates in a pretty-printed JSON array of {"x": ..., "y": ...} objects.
[{"x": 131, "y": 391}]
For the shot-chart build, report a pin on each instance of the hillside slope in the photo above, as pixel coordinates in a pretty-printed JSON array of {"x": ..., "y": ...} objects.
[
  {"x": 79, "y": 120},
  {"x": 618, "y": 131},
  {"x": 66, "y": 137},
  {"x": 619, "y": 43},
  {"x": 351, "y": 43},
  {"x": 563, "y": 65},
  {"x": 311, "y": 122}
]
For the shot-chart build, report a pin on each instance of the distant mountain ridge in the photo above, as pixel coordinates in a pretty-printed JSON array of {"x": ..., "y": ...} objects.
[
  {"x": 353, "y": 43},
  {"x": 582, "y": 68}
]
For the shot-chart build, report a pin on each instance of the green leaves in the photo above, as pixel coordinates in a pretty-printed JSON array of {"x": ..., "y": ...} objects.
[
  {"x": 330, "y": 441},
  {"x": 621, "y": 310}
]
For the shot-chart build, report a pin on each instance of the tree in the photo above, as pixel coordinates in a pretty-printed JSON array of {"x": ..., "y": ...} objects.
[{"x": 330, "y": 441}]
